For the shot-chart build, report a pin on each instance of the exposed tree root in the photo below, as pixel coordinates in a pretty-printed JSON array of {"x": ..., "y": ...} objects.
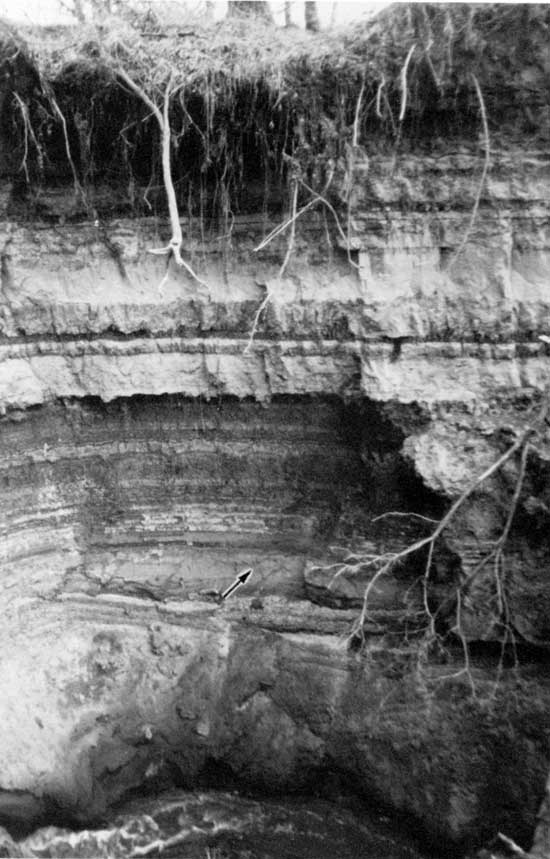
[
  {"x": 486, "y": 165},
  {"x": 381, "y": 86},
  {"x": 512, "y": 847},
  {"x": 174, "y": 247},
  {"x": 495, "y": 556},
  {"x": 290, "y": 222},
  {"x": 78, "y": 189},
  {"x": 404, "y": 87},
  {"x": 290, "y": 247},
  {"x": 159, "y": 845},
  {"x": 319, "y": 198},
  {"x": 27, "y": 132},
  {"x": 357, "y": 117}
]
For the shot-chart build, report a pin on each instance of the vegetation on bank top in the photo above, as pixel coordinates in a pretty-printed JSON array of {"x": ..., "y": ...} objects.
[{"x": 251, "y": 106}]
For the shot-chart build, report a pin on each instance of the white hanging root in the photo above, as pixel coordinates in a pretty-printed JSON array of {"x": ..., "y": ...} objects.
[
  {"x": 381, "y": 86},
  {"x": 355, "y": 138},
  {"x": 404, "y": 89},
  {"x": 174, "y": 246},
  {"x": 78, "y": 189}
]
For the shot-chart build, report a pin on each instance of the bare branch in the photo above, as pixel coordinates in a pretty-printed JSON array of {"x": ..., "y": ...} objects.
[
  {"x": 404, "y": 515},
  {"x": 465, "y": 650},
  {"x": 388, "y": 560}
]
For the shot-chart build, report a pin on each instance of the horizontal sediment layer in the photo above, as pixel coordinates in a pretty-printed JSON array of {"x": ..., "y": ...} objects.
[
  {"x": 413, "y": 264},
  {"x": 428, "y": 373}
]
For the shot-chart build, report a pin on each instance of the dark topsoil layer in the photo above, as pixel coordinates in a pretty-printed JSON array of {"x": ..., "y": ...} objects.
[{"x": 254, "y": 108}]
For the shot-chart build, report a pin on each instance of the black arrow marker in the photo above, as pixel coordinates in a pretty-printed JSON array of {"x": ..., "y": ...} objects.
[{"x": 240, "y": 580}]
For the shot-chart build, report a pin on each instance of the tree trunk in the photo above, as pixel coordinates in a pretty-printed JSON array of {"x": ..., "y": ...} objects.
[
  {"x": 249, "y": 9},
  {"x": 288, "y": 15},
  {"x": 79, "y": 13},
  {"x": 312, "y": 16}
]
